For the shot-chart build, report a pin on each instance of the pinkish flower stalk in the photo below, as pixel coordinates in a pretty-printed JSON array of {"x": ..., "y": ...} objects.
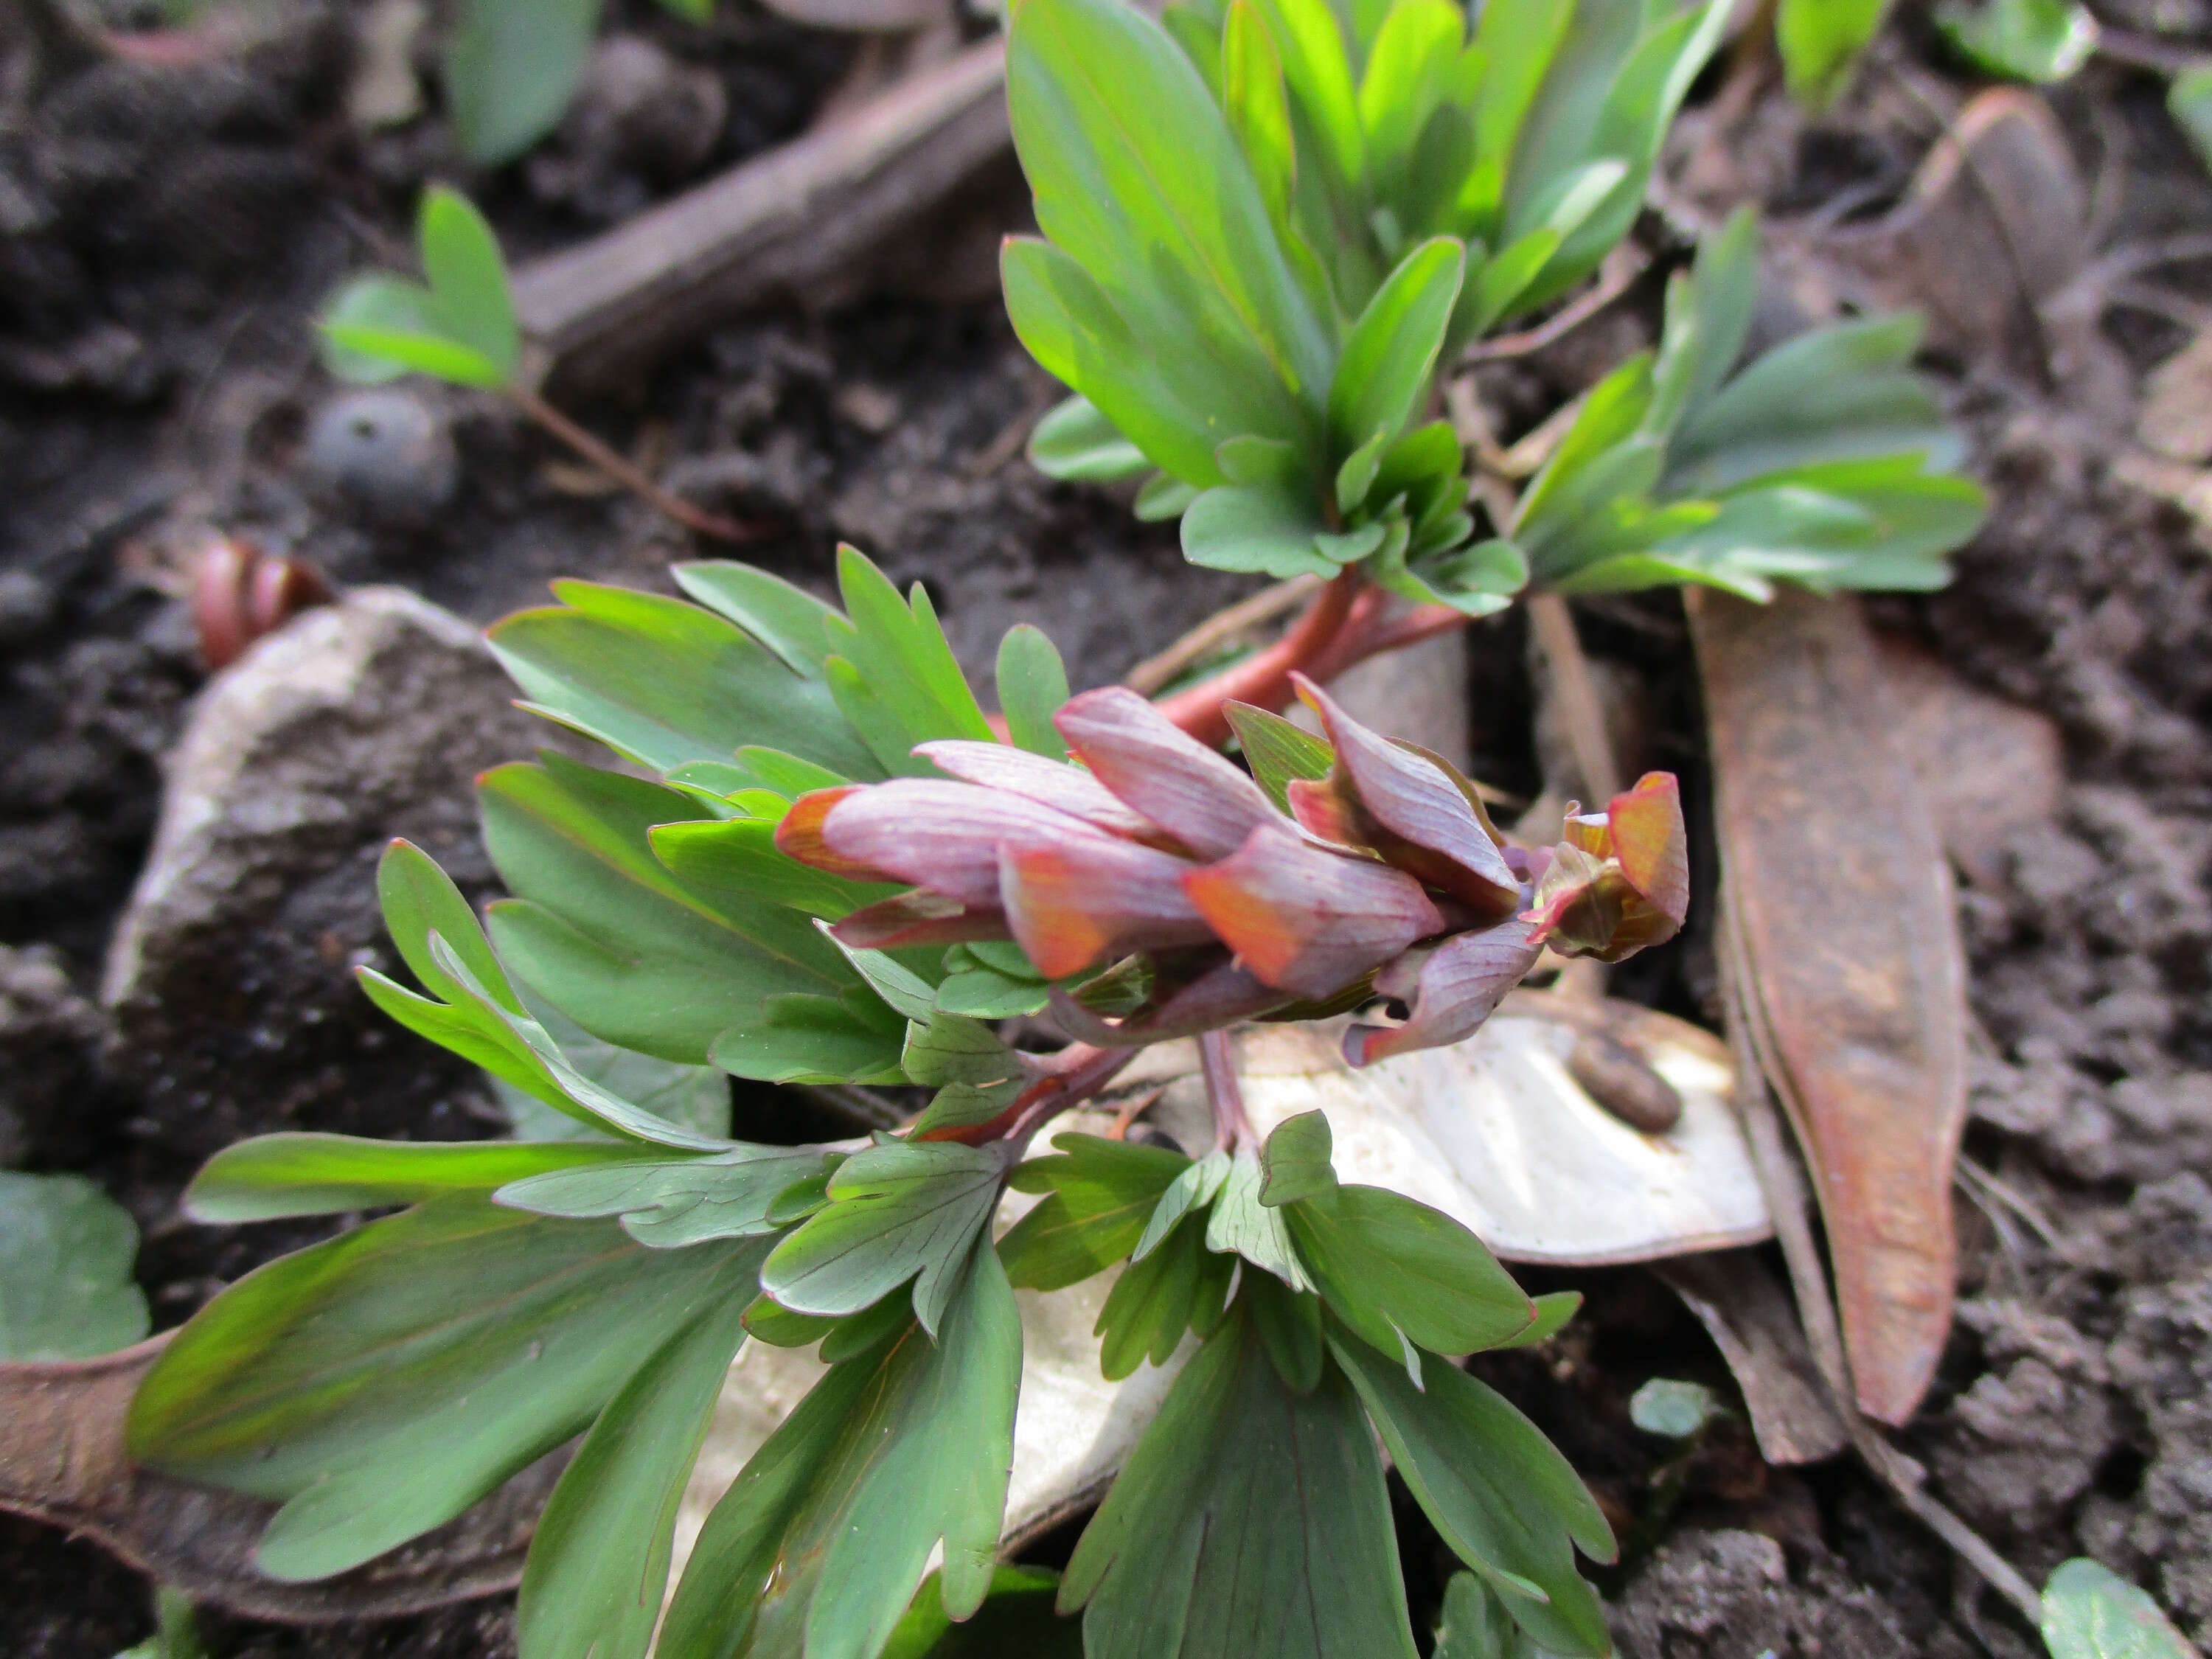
[{"x": 1386, "y": 879}]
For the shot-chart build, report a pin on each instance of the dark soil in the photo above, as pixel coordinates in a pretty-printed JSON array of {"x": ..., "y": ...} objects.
[{"x": 165, "y": 234}]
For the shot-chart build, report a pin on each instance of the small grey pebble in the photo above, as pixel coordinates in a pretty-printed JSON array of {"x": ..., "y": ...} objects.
[
  {"x": 27, "y": 607},
  {"x": 385, "y": 452}
]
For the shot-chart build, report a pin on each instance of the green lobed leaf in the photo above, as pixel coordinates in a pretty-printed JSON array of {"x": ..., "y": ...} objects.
[
  {"x": 1392, "y": 351},
  {"x": 66, "y": 1250},
  {"x": 1502, "y": 1496},
  {"x": 2189, "y": 100},
  {"x": 1190, "y": 1192},
  {"x": 1151, "y": 1304},
  {"x": 894, "y": 678},
  {"x": 511, "y": 68},
  {"x": 1277, "y": 752},
  {"x": 1032, "y": 686},
  {"x": 1475, "y": 1622},
  {"x": 467, "y": 278},
  {"x": 378, "y": 1384},
  {"x": 1098, "y": 1195},
  {"x": 599, "y": 1559},
  {"x": 1240, "y": 1224},
  {"x": 822, "y": 1539},
  {"x": 1391, "y": 1268},
  {"x": 1249, "y": 1519},
  {"x": 473, "y": 1009},
  {"x": 1264, "y": 529},
  {"x": 1076, "y": 443},
  {"x": 1672, "y": 1408},
  {"x": 609, "y": 935},
  {"x": 666, "y": 683},
  {"x": 899, "y": 1211},
  {"x": 675, "y": 1204},
  {"x": 378, "y": 327},
  {"x": 272, "y": 1177},
  {"x": 1295, "y": 1160}
]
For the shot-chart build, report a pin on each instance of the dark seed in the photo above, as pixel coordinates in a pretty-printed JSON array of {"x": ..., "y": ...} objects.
[{"x": 1622, "y": 1081}]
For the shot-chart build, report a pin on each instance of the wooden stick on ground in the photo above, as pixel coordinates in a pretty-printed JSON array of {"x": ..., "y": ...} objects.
[{"x": 786, "y": 223}]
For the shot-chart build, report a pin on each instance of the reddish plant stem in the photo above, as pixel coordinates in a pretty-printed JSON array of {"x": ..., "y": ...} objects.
[
  {"x": 1073, "y": 1076},
  {"x": 1218, "y": 1063},
  {"x": 617, "y": 466},
  {"x": 1264, "y": 678}
]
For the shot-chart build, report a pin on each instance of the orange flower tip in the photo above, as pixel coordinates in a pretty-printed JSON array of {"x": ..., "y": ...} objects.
[{"x": 800, "y": 835}]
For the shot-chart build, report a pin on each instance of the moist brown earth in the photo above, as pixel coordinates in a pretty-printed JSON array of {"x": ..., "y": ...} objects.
[{"x": 168, "y": 232}]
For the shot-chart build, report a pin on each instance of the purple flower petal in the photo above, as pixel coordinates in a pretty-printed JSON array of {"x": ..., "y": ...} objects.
[
  {"x": 1408, "y": 809},
  {"x": 944, "y": 837},
  {"x": 1056, "y": 784},
  {"x": 1449, "y": 990},
  {"x": 1308, "y": 921},
  {"x": 1085, "y": 899},
  {"x": 1199, "y": 798}
]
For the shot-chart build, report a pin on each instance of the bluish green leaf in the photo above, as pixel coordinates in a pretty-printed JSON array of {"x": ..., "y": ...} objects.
[
  {"x": 1388, "y": 1266},
  {"x": 1672, "y": 1408},
  {"x": 1076, "y": 442},
  {"x": 1392, "y": 350},
  {"x": 272, "y": 1177},
  {"x": 1263, "y": 530},
  {"x": 675, "y": 1203},
  {"x": 1016, "y": 1619},
  {"x": 66, "y": 1250},
  {"x": 510, "y": 69},
  {"x": 1249, "y": 1519},
  {"x": 1032, "y": 685},
  {"x": 1098, "y": 1196},
  {"x": 2040, "y": 41},
  {"x": 609, "y": 935},
  {"x": 598, "y": 1561},
  {"x": 378, "y": 1384},
  {"x": 1502, "y": 1496},
  {"x": 666, "y": 683},
  {"x": 1240, "y": 1224},
  {"x": 1189, "y": 1193},
  {"x": 1295, "y": 1160},
  {"x": 2090, "y": 1612},
  {"x": 899, "y": 1211},
  {"x": 1151, "y": 1305},
  {"x": 821, "y": 1540},
  {"x": 467, "y": 278}
]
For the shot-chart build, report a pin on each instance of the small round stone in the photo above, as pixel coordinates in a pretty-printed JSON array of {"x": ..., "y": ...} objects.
[{"x": 385, "y": 452}]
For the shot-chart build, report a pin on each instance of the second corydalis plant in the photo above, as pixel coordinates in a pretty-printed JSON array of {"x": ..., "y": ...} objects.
[
  {"x": 1343, "y": 869},
  {"x": 1269, "y": 227}
]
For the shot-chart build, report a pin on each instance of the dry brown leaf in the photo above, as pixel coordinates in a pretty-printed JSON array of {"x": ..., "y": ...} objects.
[
  {"x": 1747, "y": 1311},
  {"x": 62, "y": 1461},
  {"x": 1838, "y": 888},
  {"x": 2177, "y": 412}
]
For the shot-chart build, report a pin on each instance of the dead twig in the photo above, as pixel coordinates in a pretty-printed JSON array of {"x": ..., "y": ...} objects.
[
  {"x": 1622, "y": 267},
  {"x": 790, "y": 223},
  {"x": 618, "y": 466}
]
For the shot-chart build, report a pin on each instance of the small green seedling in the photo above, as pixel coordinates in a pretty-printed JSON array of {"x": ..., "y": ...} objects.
[
  {"x": 2090, "y": 1612},
  {"x": 2039, "y": 41},
  {"x": 512, "y": 66},
  {"x": 1673, "y": 1409},
  {"x": 459, "y": 325},
  {"x": 1821, "y": 42},
  {"x": 66, "y": 1250}
]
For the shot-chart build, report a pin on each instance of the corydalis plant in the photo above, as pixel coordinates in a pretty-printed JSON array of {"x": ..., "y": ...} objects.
[
  {"x": 1269, "y": 225},
  {"x": 527, "y": 1292}
]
